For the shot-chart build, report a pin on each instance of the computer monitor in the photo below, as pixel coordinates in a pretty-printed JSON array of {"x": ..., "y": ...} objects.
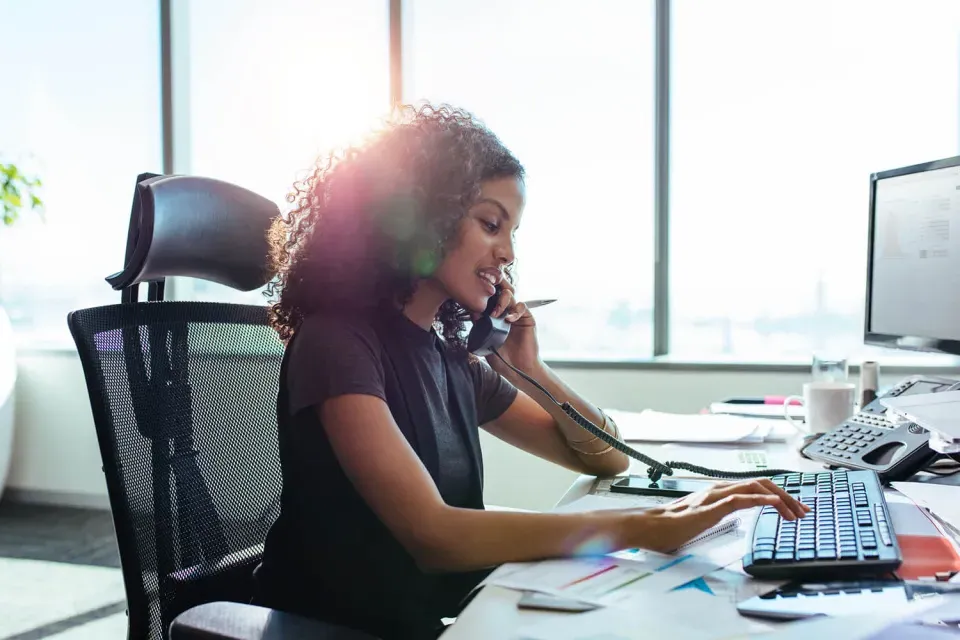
[{"x": 913, "y": 258}]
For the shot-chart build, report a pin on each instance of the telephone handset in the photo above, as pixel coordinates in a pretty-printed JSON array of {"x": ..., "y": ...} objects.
[
  {"x": 870, "y": 440},
  {"x": 488, "y": 334}
]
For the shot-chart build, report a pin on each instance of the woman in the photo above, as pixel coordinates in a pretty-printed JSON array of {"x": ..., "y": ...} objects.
[{"x": 391, "y": 247}]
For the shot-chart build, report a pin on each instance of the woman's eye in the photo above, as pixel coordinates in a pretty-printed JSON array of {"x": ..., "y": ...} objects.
[{"x": 491, "y": 227}]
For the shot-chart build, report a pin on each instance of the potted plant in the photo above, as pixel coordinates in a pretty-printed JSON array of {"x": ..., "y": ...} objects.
[{"x": 18, "y": 192}]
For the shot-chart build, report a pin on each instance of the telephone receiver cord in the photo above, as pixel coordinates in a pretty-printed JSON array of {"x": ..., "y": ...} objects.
[{"x": 656, "y": 469}]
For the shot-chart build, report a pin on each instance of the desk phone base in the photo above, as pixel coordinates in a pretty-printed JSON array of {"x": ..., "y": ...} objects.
[
  {"x": 848, "y": 531},
  {"x": 869, "y": 440}
]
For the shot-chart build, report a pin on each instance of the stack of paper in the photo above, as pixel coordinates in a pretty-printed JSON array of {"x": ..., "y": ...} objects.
[
  {"x": 656, "y": 426},
  {"x": 677, "y": 615},
  {"x": 608, "y": 580},
  {"x": 927, "y": 549},
  {"x": 943, "y": 500}
]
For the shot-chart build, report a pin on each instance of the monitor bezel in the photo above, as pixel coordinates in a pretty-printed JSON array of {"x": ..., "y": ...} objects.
[{"x": 902, "y": 342}]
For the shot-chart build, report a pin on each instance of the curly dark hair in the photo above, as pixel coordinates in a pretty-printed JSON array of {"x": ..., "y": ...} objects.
[{"x": 372, "y": 219}]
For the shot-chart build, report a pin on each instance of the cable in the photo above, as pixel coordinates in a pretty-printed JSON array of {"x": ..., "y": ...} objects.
[
  {"x": 943, "y": 470},
  {"x": 656, "y": 469}
]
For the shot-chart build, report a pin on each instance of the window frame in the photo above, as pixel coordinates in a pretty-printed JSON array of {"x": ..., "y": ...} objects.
[{"x": 173, "y": 76}]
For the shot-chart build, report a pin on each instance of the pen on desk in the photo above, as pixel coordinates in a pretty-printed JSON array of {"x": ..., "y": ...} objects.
[{"x": 759, "y": 400}]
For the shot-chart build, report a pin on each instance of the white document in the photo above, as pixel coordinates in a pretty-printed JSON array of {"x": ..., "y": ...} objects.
[
  {"x": 942, "y": 500},
  {"x": 604, "y": 580},
  {"x": 656, "y": 426},
  {"x": 935, "y": 411},
  {"x": 857, "y": 627},
  {"x": 734, "y": 585},
  {"x": 594, "y": 502},
  {"x": 770, "y": 411},
  {"x": 907, "y": 518},
  {"x": 676, "y": 615}
]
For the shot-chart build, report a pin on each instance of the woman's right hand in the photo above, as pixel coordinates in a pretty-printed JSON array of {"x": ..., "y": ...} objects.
[{"x": 668, "y": 527}]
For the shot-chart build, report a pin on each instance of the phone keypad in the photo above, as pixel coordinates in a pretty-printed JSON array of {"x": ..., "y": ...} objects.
[
  {"x": 871, "y": 420},
  {"x": 846, "y": 442}
]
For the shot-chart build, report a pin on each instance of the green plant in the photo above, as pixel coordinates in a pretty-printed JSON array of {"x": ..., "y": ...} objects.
[{"x": 17, "y": 192}]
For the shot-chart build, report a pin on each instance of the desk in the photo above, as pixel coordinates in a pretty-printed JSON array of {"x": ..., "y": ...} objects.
[{"x": 493, "y": 612}]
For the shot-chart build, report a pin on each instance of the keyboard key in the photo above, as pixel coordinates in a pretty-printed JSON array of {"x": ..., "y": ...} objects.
[{"x": 766, "y": 527}]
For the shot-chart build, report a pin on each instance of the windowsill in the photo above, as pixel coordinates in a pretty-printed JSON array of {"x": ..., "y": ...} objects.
[{"x": 902, "y": 364}]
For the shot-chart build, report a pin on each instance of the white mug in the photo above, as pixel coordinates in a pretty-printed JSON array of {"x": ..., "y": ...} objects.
[{"x": 826, "y": 405}]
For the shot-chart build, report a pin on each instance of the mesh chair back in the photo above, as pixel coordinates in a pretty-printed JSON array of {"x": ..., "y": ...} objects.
[{"x": 184, "y": 402}]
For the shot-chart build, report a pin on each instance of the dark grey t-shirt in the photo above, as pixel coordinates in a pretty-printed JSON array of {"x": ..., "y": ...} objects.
[{"x": 328, "y": 554}]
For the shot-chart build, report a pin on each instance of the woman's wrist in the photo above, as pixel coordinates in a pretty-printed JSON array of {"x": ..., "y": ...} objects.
[
  {"x": 644, "y": 530},
  {"x": 634, "y": 530}
]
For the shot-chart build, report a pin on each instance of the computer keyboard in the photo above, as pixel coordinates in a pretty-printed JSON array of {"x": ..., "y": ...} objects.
[{"x": 848, "y": 531}]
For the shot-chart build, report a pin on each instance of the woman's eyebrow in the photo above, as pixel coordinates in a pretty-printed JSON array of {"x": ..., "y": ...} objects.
[{"x": 503, "y": 210}]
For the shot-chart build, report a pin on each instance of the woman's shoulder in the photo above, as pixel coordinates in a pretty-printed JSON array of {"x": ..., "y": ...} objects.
[{"x": 338, "y": 331}]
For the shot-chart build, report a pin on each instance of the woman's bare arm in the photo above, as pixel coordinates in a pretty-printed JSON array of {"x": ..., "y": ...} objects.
[
  {"x": 392, "y": 480},
  {"x": 535, "y": 424}
]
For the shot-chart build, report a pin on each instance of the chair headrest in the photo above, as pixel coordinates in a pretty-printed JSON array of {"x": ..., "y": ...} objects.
[{"x": 198, "y": 228}]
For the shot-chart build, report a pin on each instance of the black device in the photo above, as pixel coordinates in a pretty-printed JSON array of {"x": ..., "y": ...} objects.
[
  {"x": 547, "y": 602},
  {"x": 797, "y": 600},
  {"x": 912, "y": 283},
  {"x": 847, "y": 533},
  {"x": 668, "y": 487},
  {"x": 869, "y": 440},
  {"x": 488, "y": 333}
]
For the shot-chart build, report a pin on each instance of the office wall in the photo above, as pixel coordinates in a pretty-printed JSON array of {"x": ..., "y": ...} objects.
[{"x": 56, "y": 457}]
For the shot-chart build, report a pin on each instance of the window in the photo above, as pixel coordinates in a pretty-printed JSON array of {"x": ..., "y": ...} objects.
[
  {"x": 568, "y": 86},
  {"x": 81, "y": 111},
  {"x": 780, "y": 112},
  {"x": 270, "y": 87}
]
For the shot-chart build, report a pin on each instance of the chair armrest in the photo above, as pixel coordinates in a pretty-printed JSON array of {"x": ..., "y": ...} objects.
[{"x": 234, "y": 621}]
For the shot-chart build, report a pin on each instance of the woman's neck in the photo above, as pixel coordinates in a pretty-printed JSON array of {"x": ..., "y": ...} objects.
[{"x": 423, "y": 305}]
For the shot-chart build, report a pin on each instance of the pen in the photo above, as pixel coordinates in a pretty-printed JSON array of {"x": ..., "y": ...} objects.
[
  {"x": 533, "y": 304},
  {"x": 759, "y": 400}
]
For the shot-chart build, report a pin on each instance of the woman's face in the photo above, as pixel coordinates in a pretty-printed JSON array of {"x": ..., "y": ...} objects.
[{"x": 470, "y": 271}]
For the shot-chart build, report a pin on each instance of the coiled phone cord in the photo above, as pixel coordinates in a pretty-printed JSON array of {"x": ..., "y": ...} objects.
[{"x": 656, "y": 469}]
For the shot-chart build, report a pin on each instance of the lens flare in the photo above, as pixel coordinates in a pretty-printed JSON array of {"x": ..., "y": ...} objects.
[{"x": 597, "y": 546}]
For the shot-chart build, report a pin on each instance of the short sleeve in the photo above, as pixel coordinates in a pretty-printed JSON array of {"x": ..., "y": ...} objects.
[
  {"x": 332, "y": 356},
  {"x": 495, "y": 393}
]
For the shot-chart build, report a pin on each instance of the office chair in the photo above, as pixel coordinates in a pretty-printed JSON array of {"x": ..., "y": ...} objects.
[{"x": 184, "y": 403}]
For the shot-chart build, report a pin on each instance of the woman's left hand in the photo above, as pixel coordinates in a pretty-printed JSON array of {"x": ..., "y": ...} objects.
[{"x": 521, "y": 348}]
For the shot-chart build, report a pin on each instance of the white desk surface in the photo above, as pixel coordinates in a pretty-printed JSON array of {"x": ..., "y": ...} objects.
[{"x": 493, "y": 613}]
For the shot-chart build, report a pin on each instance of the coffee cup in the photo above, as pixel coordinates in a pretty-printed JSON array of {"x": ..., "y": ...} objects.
[{"x": 826, "y": 405}]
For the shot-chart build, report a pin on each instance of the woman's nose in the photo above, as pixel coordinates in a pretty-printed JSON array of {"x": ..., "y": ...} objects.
[{"x": 505, "y": 253}]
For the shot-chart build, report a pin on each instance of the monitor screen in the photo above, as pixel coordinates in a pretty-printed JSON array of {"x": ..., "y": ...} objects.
[{"x": 913, "y": 275}]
